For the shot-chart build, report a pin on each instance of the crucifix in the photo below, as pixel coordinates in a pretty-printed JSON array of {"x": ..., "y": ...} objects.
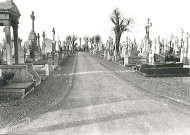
[
  {"x": 53, "y": 33},
  {"x": 147, "y": 28},
  {"x": 33, "y": 19}
]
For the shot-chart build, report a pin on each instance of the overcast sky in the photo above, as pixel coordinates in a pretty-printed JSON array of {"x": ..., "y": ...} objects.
[{"x": 90, "y": 17}]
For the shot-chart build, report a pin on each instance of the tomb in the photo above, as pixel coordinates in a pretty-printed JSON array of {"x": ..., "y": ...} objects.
[
  {"x": 163, "y": 66},
  {"x": 23, "y": 73}
]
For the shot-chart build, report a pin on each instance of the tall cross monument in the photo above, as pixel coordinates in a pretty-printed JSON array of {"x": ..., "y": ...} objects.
[
  {"x": 33, "y": 38},
  {"x": 147, "y": 28},
  {"x": 33, "y": 19},
  {"x": 53, "y": 33}
]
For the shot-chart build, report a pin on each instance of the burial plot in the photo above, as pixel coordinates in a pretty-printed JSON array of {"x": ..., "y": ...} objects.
[{"x": 10, "y": 17}]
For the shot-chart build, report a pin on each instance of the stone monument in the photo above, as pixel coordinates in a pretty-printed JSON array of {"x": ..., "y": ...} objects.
[{"x": 33, "y": 40}]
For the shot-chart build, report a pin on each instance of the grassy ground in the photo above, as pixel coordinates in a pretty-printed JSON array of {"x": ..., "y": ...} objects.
[{"x": 49, "y": 92}]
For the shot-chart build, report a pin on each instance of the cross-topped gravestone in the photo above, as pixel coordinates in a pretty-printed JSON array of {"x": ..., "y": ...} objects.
[
  {"x": 38, "y": 37},
  {"x": 33, "y": 19},
  {"x": 182, "y": 37},
  {"x": 171, "y": 37},
  {"x": 53, "y": 33},
  {"x": 43, "y": 35},
  {"x": 182, "y": 34},
  {"x": 147, "y": 28}
]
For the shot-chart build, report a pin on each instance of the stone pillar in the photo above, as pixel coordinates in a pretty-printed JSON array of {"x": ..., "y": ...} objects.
[
  {"x": 46, "y": 69},
  {"x": 50, "y": 62},
  {"x": 105, "y": 54},
  {"x": 8, "y": 42},
  {"x": 15, "y": 32},
  {"x": 55, "y": 60}
]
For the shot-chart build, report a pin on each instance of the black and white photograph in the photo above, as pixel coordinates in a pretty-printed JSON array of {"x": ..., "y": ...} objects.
[{"x": 94, "y": 67}]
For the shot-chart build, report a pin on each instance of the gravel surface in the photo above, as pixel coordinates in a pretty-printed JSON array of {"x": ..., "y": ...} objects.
[
  {"x": 48, "y": 93},
  {"x": 174, "y": 87}
]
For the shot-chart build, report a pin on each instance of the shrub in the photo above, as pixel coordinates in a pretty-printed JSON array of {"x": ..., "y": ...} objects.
[{"x": 7, "y": 75}]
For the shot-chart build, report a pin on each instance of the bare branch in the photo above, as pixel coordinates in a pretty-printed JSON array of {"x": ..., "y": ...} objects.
[{"x": 113, "y": 20}]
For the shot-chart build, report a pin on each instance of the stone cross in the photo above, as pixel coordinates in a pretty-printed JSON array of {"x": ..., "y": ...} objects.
[
  {"x": 43, "y": 35},
  {"x": 53, "y": 33},
  {"x": 147, "y": 28},
  {"x": 171, "y": 38},
  {"x": 182, "y": 37},
  {"x": 38, "y": 37},
  {"x": 129, "y": 42},
  {"x": 33, "y": 19},
  {"x": 182, "y": 34},
  {"x": 187, "y": 38}
]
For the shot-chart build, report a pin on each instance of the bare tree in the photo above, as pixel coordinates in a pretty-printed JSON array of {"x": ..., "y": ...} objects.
[
  {"x": 73, "y": 39},
  {"x": 97, "y": 39},
  {"x": 86, "y": 39},
  {"x": 121, "y": 24},
  {"x": 91, "y": 40}
]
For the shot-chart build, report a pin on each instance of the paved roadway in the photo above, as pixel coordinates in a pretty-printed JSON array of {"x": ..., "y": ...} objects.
[{"x": 101, "y": 102}]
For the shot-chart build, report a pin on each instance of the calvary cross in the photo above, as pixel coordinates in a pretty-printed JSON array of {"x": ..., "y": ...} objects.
[
  {"x": 33, "y": 18},
  {"x": 147, "y": 28},
  {"x": 53, "y": 33}
]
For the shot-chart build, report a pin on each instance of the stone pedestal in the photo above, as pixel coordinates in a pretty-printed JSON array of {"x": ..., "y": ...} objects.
[
  {"x": 50, "y": 62},
  {"x": 47, "y": 69},
  {"x": 55, "y": 60},
  {"x": 132, "y": 61},
  {"x": 105, "y": 54},
  {"x": 21, "y": 72},
  {"x": 115, "y": 53},
  {"x": 21, "y": 56},
  {"x": 108, "y": 56},
  {"x": 112, "y": 58}
]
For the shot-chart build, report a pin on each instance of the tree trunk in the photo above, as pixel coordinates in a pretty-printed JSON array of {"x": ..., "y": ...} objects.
[{"x": 117, "y": 40}]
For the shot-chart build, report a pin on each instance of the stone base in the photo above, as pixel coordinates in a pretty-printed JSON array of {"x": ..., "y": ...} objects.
[
  {"x": 21, "y": 72},
  {"x": 166, "y": 69},
  {"x": 132, "y": 61},
  {"x": 16, "y": 90}
]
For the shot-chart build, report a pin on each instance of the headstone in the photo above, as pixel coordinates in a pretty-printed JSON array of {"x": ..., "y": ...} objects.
[
  {"x": 20, "y": 52},
  {"x": 33, "y": 40},
  {"x": 186, "y": 48},
  {"x": 55, "y": 60},
  {"x": 100, "y": 46}
]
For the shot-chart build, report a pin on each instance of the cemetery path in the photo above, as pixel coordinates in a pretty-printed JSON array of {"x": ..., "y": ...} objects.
[{"x": 101, "y": 102}]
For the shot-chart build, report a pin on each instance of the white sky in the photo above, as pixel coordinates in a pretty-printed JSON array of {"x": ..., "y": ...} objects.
[{"x": 90, "y": 17}]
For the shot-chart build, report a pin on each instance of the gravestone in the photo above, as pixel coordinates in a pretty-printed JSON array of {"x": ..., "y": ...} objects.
[
  {"x": 21, "y": 52},
  {"x": 186, "y": 48},
  {"x": 27, "y": 54},
  {"x": 44, "y": 52},
  {"x": 33, "y": 40}
]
